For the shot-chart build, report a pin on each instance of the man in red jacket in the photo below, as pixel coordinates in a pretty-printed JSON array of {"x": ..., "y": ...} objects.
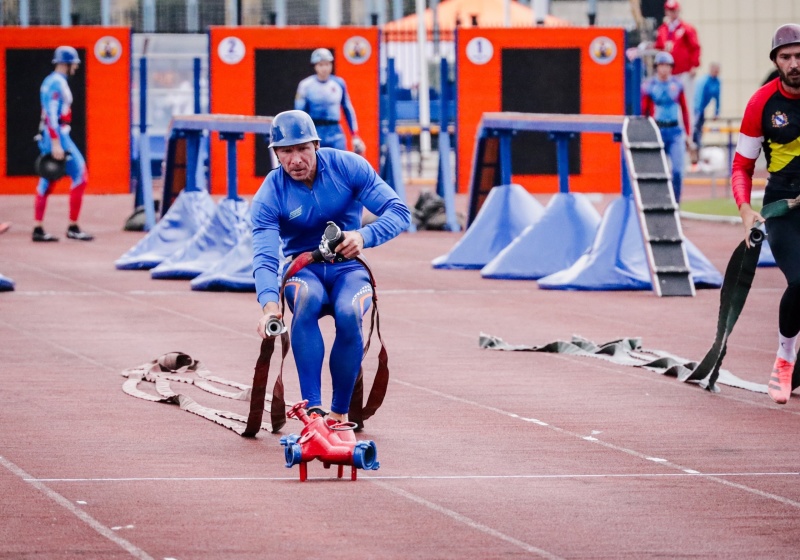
[{"x": 678, "y": 38}]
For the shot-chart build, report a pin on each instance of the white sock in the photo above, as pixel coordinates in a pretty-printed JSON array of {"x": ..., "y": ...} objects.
[{"x": 787, "y": 347}]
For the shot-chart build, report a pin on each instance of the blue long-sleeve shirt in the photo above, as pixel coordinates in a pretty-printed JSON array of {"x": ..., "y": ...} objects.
[
  {"x": 707, "y": 90},
  {"x": 287, "y": 211},
  {"x": 324, "y": 100}
]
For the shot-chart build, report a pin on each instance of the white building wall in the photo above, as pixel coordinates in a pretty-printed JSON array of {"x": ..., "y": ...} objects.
[{"x": 738, "y": 35}]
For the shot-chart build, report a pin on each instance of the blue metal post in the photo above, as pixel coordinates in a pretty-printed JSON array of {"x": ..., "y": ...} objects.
[
  {"x": 505, "y": 158},
  {"x": 192, "y": 159},
  {"x": 562, "y": 158},
  {"x": 231, "y": 138},
  {"x": 196, "y": 84},
  {"x": 391, "y": 90},
  {"x": 637, "y": 70},
  {"x": 143, "y": 95},
  {"x": 144, "y": 194},
  {"x": 446, "y": 186}
]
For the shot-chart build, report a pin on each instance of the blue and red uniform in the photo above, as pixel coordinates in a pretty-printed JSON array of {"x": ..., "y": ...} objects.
[
  {"x": 325, "y": 101},
  {"x": 288, "y": 215},
  {"x": 56, "y": 119},
  {"x": 662, "y": 99}
]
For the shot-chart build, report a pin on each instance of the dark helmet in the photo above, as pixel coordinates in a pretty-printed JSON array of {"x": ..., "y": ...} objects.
[
  {"x": 788, "y": 34},
  {"x": 66, "y": 55},
  {"x": 664, "y": 58},
  {"x": 291, "y": 128},
  {"x": 47, "y": 167},
  {"x": 321, "y": 55}
]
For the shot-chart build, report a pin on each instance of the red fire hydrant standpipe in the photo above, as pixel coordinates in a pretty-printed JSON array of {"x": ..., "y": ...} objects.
[{"x": 332, "y": 442}]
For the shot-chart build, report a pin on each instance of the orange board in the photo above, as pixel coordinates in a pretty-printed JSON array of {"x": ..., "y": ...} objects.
[
  {"x": 106, "y": 69},
  {"x": 601, "y": 92},
  {"x": 233, "y": 71}
]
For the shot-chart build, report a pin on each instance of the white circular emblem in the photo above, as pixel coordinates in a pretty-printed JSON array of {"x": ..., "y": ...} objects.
[
  {"x": 231, "y": 50},
  {"x": 357, "y": 50},
  {"x": 603, "y": 50},
  {"x": 480, "y": 50},
  {"x": 108, "y": 50}
]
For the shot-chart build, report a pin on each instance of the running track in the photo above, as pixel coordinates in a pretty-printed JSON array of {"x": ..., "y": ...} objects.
[{"x": 483, "y": 454}]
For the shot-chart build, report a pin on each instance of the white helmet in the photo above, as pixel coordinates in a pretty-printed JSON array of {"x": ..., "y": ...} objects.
[{"x": 321, "y": 55}]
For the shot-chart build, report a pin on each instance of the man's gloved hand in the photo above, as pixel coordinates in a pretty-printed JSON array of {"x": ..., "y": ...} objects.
[{"x": 359, "y": 146}]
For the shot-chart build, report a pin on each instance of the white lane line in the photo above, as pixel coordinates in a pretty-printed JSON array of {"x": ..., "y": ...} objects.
[
  {"x": 595, "y": 441},
  {"x": 685, "y": 473},
  {"x": 77, "y": 512},
  {"x": 468, "y": 522}
]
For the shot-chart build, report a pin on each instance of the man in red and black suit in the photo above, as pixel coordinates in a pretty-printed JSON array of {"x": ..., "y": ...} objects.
[{"x": 771, "y": 123}]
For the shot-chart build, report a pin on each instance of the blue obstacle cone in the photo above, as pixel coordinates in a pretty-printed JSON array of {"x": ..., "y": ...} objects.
[
  {"x": 234, "y": 273},
  {"x": 6, "y": 284},
  {"x": 765, "y": 257},
  {"x": 553, "y": 243},
  {"x": 505, "y": 213},
  {"x": 617, "y": 259},
  {"x": 187, "y": 215},
  {"x": 221, "y": 234}
]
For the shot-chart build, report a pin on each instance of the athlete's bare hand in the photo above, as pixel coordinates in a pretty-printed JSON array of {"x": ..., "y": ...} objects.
[
  {"x": 56, "y": 150},
  {"x": 749, "y": 219},
  {"x": 351, "y": 246},
  {"x": 271, "y": 309}
]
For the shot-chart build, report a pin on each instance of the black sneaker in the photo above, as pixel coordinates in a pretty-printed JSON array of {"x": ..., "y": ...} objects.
[
  {"x": 74, "y": 232},
  {"x": 315, "y": 412},
  {"x": 39, "y": 235}
]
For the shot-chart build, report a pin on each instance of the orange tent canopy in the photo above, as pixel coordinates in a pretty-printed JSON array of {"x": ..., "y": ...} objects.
[{"x": 489, "y": 13}]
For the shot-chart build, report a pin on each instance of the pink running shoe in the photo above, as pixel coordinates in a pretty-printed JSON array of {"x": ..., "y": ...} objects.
[{"x": 780, "y": 383}]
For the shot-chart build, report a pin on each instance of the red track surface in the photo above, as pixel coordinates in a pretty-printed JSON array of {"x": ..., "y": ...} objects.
[{"x": 622, "y": 463}]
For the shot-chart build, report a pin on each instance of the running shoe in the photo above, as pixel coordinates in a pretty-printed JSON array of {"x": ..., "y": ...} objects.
[
  {"x": 39, "y": 235},
  {"x": 74, "y": 232},
  {"x": 780, "y": 383}
]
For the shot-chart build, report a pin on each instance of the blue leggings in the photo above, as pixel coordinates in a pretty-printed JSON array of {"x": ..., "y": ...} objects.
[
  {"x": 343, "y": 291},
  {"x": 76, "y": 165},
  {"x": 675, "y": 148}
]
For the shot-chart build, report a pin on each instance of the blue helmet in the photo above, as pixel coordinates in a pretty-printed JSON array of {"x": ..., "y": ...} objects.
[
  {"x": 66, "y": 55},
  {"x": 321, "y": 55},
  {"x": 291, "y": 128},
  {"x": 664, "y": 58}
]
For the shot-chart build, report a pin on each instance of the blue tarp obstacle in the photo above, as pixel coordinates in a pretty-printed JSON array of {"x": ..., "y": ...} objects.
[
  {"x": 507, "y": 212},
  {"x": 6, "y": 284},
  {"x": 187, "y": 215},
  {"x": 547, "y": 246},
  {"x": 196, "y": 239}
]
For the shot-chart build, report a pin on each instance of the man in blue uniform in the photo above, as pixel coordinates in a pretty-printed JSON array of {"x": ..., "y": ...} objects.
[
  {"x": 290, "y": 211},
  {"x": 707, "y": 90},
  {"x": 324, "y": 96},
  {"x": 55, "y": 143},
  {"x": 662, "y": 98}
]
